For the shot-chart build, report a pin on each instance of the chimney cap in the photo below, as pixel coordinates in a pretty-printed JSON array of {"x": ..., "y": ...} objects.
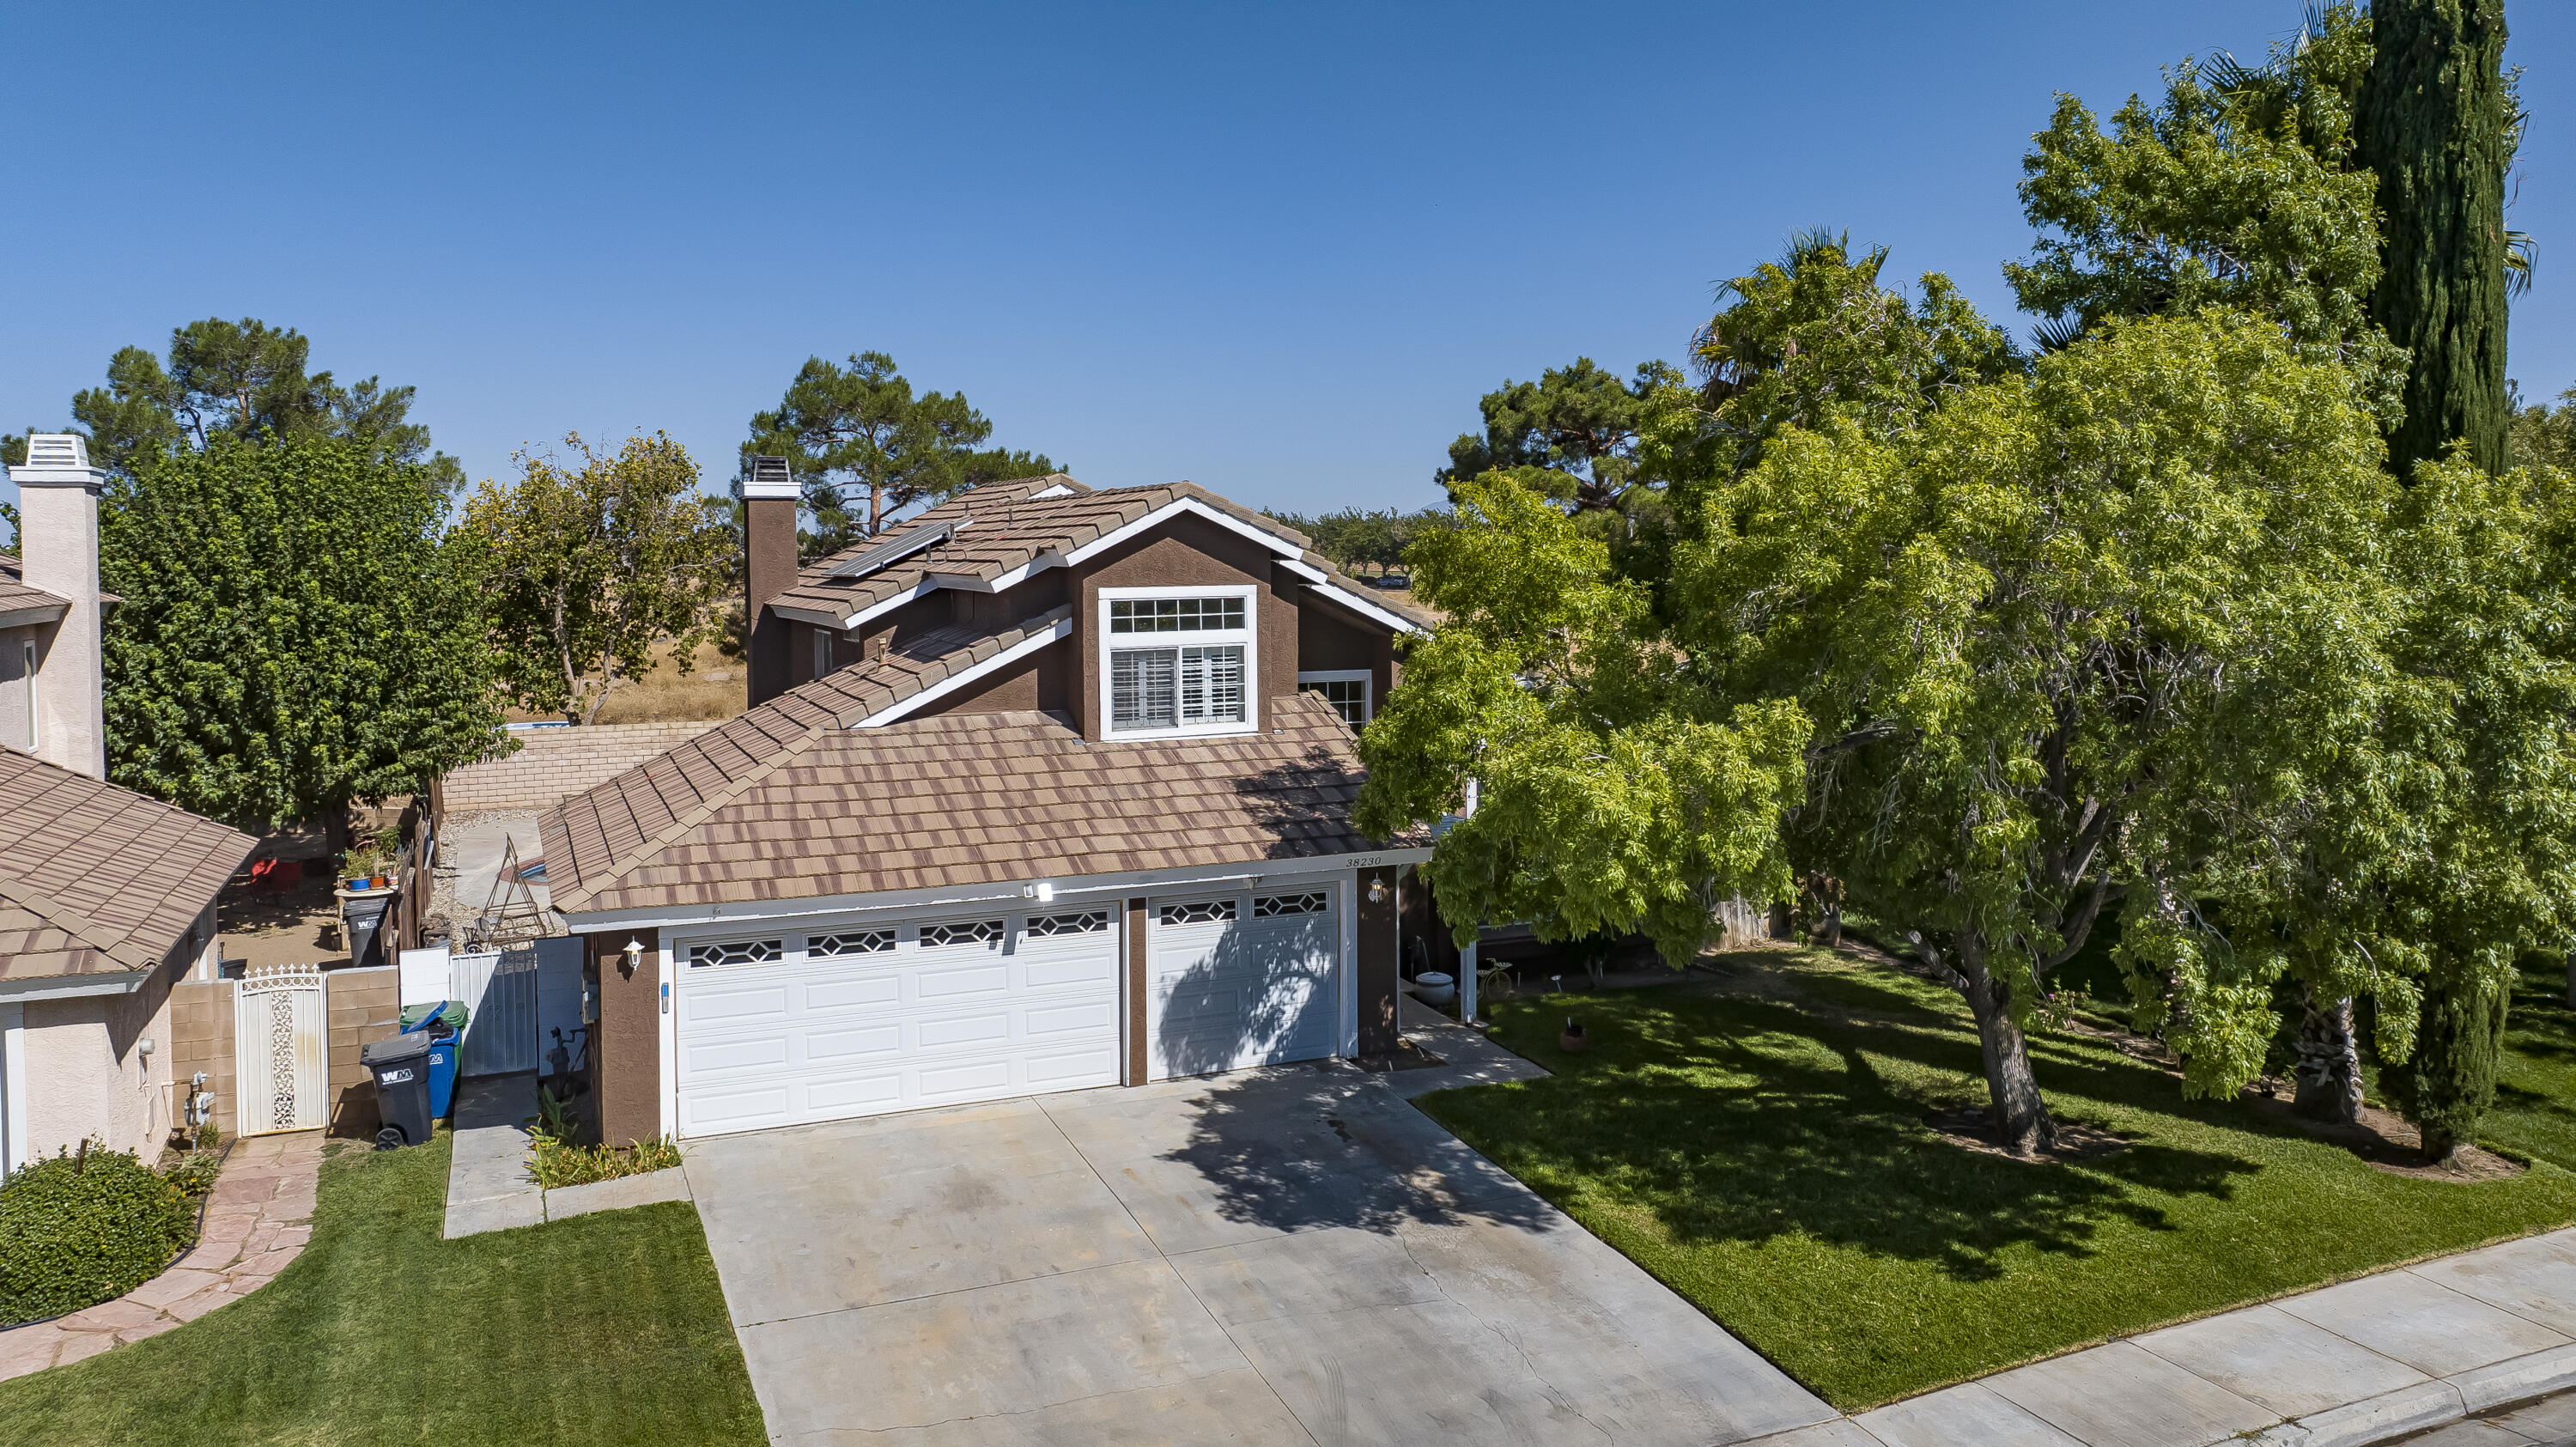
[
  {"x": 56, "y": 459},
  {"x": 767, "y": 476}
]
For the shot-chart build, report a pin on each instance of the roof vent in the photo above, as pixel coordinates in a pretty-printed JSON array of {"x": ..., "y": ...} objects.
[
  {"x": 895, "y": 550},
  {"x": 57, "y": 449},
  {"x": 766, "y": 476}
]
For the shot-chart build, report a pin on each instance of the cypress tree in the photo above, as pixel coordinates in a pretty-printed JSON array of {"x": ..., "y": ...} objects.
[
  {"x": 2435, "y": 120},
  {"x": 2451, "y": 1081}
]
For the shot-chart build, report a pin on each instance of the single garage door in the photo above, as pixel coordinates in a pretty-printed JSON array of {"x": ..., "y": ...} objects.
[
  {"x": 1241, "y": 979},
  {"x": 789, "y": 1026}
]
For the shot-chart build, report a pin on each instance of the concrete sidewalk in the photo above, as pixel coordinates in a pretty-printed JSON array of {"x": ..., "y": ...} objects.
[
  {"x": 2368, "y": 1361},
  {"x": 488, "y": 1186}
]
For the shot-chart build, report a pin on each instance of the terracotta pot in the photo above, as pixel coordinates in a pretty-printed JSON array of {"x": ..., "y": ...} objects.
[{"x": 1572, "y": 1041}]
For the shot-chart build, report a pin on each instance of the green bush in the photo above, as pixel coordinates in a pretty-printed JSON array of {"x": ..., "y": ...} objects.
[
  {"x": 554, "y": 1165},
  {"x": 79, "y": 1230}
]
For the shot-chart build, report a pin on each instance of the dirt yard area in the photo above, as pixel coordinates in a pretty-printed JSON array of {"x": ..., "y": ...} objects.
[{"x": 713, "y": 689}]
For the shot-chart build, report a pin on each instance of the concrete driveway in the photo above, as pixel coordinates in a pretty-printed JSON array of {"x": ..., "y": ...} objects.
[{"x": 1292, "y": 1255}]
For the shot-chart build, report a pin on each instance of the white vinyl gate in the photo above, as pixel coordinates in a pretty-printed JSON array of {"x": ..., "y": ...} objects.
[
  {"x": 279, "y": 1048},
  {"x": 500, "y": 995}
]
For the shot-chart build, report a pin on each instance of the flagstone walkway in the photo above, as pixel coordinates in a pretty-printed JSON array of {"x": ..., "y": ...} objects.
[{"x": 257, "y": 1221}]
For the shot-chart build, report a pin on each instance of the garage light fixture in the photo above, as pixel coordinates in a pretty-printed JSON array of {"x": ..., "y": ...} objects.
[
  {"x": 1377, "y": 891},
  {"x": 634, "y": 953},
  {"x": 1043, "y": 891}
]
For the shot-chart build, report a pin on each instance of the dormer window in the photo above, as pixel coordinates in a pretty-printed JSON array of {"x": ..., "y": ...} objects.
[{"x": 1177, "y": 662}]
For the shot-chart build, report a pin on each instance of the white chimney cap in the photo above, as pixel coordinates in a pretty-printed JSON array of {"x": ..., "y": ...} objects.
[{"x": 56, "y": 459}]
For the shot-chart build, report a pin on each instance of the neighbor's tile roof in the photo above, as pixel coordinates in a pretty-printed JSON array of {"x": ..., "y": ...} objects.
[
  {"x": 14, "y": 592},
  {"x": 963, "y": 799},
  {"x": 94, "y": 878},
  {"x": 1008, "y": 527}
]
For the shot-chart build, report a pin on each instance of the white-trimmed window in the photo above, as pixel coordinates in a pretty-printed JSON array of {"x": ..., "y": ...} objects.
[
  {"x": 1178, "y": 662},
  {"x": 1346, "y": 689}
]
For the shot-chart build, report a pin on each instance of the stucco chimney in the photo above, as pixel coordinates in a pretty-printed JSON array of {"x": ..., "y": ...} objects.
[
  {"x": 58, "y": 495},
  {"x": 769, "y": 569}
]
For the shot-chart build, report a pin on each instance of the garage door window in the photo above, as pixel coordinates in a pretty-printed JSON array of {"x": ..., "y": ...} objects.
[
  {"x": 1205, "y": 911},
  {"x": 1272, "y": 906},
  {"x": 854, "y": 942},
  {"x": 970, "y": 932},
  {"x": 1046, "y": 926},
  {"x": 738, "y": 952}
]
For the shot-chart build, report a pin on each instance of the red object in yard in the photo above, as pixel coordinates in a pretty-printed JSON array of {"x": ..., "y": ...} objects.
[{"x": 273, "y": 876}]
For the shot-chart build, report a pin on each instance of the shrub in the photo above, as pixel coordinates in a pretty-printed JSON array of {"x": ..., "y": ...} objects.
[
  {"x": 555, "y": 1164},
  {"x": 76, "y": 1230}
]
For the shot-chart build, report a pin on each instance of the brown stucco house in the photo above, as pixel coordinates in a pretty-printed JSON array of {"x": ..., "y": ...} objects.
[
  {"x": 107, "y": 898},
  {"x": 1049, "y": 789}
]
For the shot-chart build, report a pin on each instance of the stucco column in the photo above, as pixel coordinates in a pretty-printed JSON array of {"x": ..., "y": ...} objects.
[
  {"x": 1381, "y": 952},
  {"x": 58, "y": 494}
]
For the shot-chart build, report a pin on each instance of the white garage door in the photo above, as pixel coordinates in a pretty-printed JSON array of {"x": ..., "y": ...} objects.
[
  {"x": 1240, "y": 979},
  {"x": 788, "y": 1027}
]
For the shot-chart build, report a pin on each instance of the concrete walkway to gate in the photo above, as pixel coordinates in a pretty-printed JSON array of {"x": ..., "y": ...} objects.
[
  {"x": 488, "y": 1186},
  {"x": 257, "y": 1220}
]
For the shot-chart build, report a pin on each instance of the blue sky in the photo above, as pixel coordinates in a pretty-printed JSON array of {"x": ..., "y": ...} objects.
[{"x": 1279, "y": 250}]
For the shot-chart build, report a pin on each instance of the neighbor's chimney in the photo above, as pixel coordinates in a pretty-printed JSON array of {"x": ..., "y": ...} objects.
[
  {"x": 769, "y": 569},
  {"x": 58, "y": 551}
]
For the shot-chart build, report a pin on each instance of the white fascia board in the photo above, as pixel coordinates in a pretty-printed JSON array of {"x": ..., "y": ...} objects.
[
  {"x": 1365, "y": 608},
  {"x": 1174, "y": 509},
  {"x": 1141, "y": 881},
  {"x": 1063, "y": 628},
  {"x": 1305, "y": 570},
  {"x": 69, "y": 987},
  {"x": 40, "y": 613}
]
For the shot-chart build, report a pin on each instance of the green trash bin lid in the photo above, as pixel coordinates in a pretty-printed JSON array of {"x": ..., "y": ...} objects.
[{"x": 449, "y": 1012}]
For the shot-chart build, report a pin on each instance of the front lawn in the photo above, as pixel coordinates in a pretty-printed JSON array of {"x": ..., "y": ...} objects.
[
  {"x": 602, "y": 1328},
  {"x": 2535, "y": 1109},
  {"x": 1766, "y": 1156}
]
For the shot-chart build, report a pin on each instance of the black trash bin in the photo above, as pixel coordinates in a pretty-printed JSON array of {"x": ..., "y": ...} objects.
[{"x": 401, "y": 1068}]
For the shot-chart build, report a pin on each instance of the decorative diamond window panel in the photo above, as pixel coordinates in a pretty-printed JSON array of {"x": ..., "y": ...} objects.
[
  {"x": 854, "y": 942},
  {"x": 1087, "y": 923},
  {"x": 1175, "y": 615},
  {"x": 1272, "y": 906},
  {"x": 738, "y": 952},
  {"x": 973, "y": 932},
  {"x": 1205, "y": 911}
]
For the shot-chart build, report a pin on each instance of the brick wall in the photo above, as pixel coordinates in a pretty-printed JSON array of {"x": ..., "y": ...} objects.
[
  {"x": 201, "y": 1038},
  {"x": 358, "y": 1006},
  {"x": 362, "y": 1006},
  {"x": 552, "y": 763}
]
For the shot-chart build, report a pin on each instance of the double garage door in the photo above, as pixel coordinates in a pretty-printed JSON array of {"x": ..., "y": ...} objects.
[{"x": 799, "y": 1025}]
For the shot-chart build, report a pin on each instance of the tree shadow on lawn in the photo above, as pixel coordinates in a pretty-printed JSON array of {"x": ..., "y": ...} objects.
[{"x": 1752, "y": 1120}]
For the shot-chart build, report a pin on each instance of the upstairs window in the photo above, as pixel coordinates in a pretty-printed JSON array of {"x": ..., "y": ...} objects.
[
  {"x": 1178, "y": 662},
  {"x": 1347, "y": 690}
]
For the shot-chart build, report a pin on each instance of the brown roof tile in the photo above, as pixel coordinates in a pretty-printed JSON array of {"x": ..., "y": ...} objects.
[
  {"x": 825, "y": 820},
  {"x": 94, "y": 878}
]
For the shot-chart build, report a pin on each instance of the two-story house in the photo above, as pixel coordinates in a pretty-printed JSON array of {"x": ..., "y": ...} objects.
[{"x": 1049, "y": 789}]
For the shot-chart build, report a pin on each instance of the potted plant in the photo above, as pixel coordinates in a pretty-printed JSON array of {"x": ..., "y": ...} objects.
[{"x": 1572, "y": 1040}]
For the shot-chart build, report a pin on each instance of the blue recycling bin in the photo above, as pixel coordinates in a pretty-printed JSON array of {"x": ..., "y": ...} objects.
[{"x": 444, "y": 1040}]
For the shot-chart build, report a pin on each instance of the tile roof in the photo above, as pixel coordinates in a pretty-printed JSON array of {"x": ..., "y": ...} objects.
[
  {"x": 94, "y": 878},
  {"x": 1008, "y": 526},
  {"x": 958, "y": 799},
  {"x": 15, "y": 595}
]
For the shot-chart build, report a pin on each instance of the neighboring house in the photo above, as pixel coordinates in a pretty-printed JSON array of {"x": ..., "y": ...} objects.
[
  {"x": 107, "y": 898},
  {"x": 1049, "y": 790}
]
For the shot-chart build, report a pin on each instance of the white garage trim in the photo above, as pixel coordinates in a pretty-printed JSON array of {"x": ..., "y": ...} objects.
[{"x": 13, "y": 1087}]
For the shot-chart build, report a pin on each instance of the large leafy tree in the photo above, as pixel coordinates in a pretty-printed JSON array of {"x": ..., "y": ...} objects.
[
  {"x": 292, "y": 636},
  {"x": 242, "y": 379},
  {"x": 867, "y": 447},
  {"x": 587, "y": 567}
]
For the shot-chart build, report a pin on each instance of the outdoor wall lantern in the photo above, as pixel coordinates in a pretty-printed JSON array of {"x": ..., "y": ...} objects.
[
  {"x": 1377, "y": 890},
  {"x": 634, "y": 953},
  {"x": 1043, "y": 891}
]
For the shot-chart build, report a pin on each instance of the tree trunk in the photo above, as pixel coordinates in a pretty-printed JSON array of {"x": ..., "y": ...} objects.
[
  {"x": 2432, "y": 121},
  {"x": 2329, "y": 1069},
  {"x": 1833, "y": 931},
  {"x": 2020, "y": 1117}
]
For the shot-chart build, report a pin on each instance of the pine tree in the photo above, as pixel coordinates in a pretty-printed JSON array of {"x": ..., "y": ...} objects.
[{"x": 2436, "y": 121}]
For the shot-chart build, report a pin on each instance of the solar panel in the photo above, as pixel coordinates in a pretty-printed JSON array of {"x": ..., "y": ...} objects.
[{"x": 894, "y": 550}]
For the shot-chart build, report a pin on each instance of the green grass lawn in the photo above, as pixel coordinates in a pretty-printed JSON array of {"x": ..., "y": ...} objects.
[
  {"x": 1767, "y": 1158},
  {"x": 2535, "y": 1109},
  {"x": 603, "y": 1328}
]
